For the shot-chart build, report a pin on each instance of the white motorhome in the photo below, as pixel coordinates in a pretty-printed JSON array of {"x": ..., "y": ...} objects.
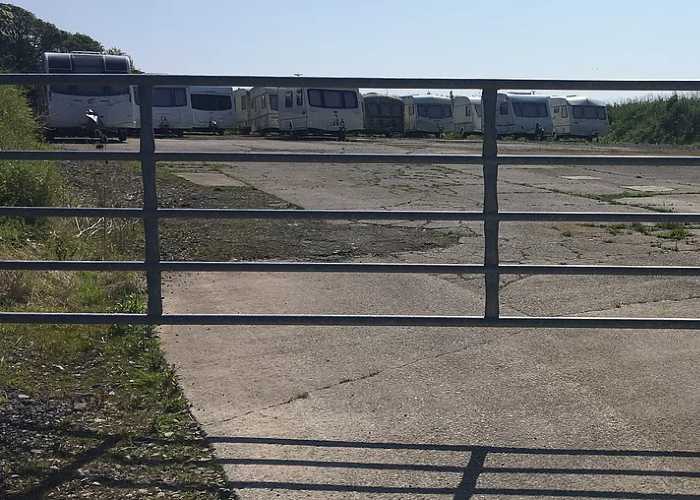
[
  {"x": 464, "y": 114},
  {"x": 427, "y": 115},
  {"x": 241, "y": 110},
  {"x": 172, "y": 110},
  {"x": 576, "y": 116},
  {"x": 212, "y": 108},
  {"x": 264, "y": 110},
  {"x": 523, "y": 115},
  {"x": 320, "y": 111},
  {"x": 71, "y": 109}
]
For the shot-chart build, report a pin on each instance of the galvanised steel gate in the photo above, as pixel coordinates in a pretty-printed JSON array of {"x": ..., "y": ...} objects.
[{"x": 491, "y": 216}]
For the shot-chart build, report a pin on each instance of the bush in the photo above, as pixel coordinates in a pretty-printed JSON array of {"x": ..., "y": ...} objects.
[
  {"x": 23, "y": 183},
  {"x": 658, "y": 120}
]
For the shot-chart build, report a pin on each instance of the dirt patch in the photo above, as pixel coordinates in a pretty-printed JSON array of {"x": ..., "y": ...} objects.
[{"x": 242, "y": 239}]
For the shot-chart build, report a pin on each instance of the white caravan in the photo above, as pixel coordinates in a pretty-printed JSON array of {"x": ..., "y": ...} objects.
[
  {"x": 172, "y": 110},
  {"x": 465, "y": 115},
  {"x": 264, "y": 110},
  {"x": 523, "y": 115},
  {"x": 74, "y": 109},
  {"x": 241, "y": 110},
  {"x": 575, "y": 116},
  {"x": 476, "y": 109},
  {"x": 427, "y": 115},
  {"x": 320, "y": 111},
  {"x": 212, "y": 108}
]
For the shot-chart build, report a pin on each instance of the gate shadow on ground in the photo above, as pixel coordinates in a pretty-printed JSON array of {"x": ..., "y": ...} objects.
[
  {"x": 470, "y": 473},
  {"x": 685, "y": 468}
]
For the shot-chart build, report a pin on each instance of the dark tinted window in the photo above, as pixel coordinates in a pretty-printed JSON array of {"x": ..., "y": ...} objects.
[
  {"x": 117, "y": 64},
  {"x": 88, "y": 63},
  {"x": 530, "y": 109},
  {"x": 338, "y": 99},
  {"x": 288, "y": 99},
  {"x": 590, "y": 112},
  {"x": 59, "y": 63},
  {"x": 90, "y": 90},
  {"x": 169, "y": 97},
  {"x": 435, "y": 111},
  {"x": 273, "y": 102},
  {"x": 209, "y": 102}
]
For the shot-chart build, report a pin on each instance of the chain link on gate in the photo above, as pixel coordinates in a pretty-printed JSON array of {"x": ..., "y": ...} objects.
[{"x": 490, "y": 216}]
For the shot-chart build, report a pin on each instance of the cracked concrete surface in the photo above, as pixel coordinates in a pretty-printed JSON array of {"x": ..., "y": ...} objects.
[{"x": 299, "y": 412}]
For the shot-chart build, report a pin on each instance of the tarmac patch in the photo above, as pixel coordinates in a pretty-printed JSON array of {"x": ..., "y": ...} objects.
[
  {"x": 649, "y": 189},
  {"x": 210, "y": 179},
  {"x": 580, "y": 177}
]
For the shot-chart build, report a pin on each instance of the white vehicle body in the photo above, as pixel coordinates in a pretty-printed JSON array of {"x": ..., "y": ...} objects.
[
  {"x": 212, "y": 108},
  {"x": 575, "y": 116},
  {"x": 264, "y": 110},
  {"x": 172, "y": 109},
  {"x": 477, "y": 112},
  {"x": 319, "y": 110},
  {"x": 427, "y": 114},
  {"x": 464, "y": 114},
  {"x": 241, "y": 110},
  {"x": 64, "y": 107},
  {"x": 523, "y": 115}
]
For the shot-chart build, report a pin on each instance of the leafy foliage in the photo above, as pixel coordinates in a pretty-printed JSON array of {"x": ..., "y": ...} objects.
[
  {"x": 659, "y": 120},
  {"x": 24, "y": 37}
]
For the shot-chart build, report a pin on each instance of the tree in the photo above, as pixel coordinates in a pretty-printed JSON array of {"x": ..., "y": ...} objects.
[{"x": 24, "y": 37}]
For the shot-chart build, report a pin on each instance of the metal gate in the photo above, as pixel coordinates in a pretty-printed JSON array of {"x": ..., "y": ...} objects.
[{"x": 490, "y": 216}]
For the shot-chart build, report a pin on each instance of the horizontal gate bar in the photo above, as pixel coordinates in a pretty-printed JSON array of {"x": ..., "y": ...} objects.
[
  {"x": 408, "y": 268},
  {"x": 70, "y": 155},
  {"x": 322, "y": 267},
  {"x": 344, "y": 158},
  {"x": 130, "y": 213},
  {"x": 442, "y": 215},
  {"x": 332, "y": 82},
  {"x": 263, "y": 213},
  {"x": 512, "y": 216},
  {"x": 73, "y": 265},
  {"x": 448, "y": 159},
  {"x": 353, "y": 320},
  {"x": 342, "y": 267}
]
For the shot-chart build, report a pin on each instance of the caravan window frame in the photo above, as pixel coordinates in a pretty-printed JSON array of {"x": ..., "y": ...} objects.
[{"x": 214, "y": 104}]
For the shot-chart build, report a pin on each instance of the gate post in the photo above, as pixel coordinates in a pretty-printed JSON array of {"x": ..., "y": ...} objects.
[
  {"x": 490, "y": 163},
  {"x": 150, "y": 205}
]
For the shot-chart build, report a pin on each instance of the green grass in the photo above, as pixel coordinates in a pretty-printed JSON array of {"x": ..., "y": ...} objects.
[{"x": 110, "y": 382}]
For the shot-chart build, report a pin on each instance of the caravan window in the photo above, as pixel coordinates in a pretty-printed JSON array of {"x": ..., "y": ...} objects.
[
  {"x": 503, "y": 108},
  {"x": 589, "y": 112},
  {"x": 273, "y": 102},
  {"x": 88, "y": 63},
  {"x": 288, "y": 99},
  {"x": 477, "y": 107},
  {"x": 90, "y": 90},
  {"x": 435, "y": 111},
  {"x": 530, "y": 109},
  {"x": 169, "y": 97},
  {"x": 209, "y": 102},
  {"x": 300, "y": 97},
  {"x": 564, "y": 112},
  {"x": 338, "y": 99},
  {"x": 467, "y": 110}
]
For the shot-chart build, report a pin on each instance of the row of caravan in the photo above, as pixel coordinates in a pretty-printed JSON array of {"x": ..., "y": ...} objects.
[{"x": 298, "y": 111}]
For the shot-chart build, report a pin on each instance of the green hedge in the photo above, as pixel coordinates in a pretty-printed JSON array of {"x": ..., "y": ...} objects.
[
  {"x": 659, "y": 120},
  {"x": 23, "y": 183}
]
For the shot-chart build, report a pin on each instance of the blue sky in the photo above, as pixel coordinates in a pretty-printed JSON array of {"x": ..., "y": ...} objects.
[{"x": 453, "y": 38}]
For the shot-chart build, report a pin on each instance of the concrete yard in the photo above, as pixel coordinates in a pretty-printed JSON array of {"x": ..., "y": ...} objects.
[{"x": 337, "y": 413}]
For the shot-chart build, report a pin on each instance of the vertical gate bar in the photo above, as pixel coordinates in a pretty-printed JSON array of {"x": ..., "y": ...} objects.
[
  {"x": 150, "y": 204},
  {"x": 490, "y": 159}
]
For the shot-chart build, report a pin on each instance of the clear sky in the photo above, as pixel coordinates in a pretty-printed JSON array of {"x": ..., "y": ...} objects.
[{"x": 453, "y": 38}]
